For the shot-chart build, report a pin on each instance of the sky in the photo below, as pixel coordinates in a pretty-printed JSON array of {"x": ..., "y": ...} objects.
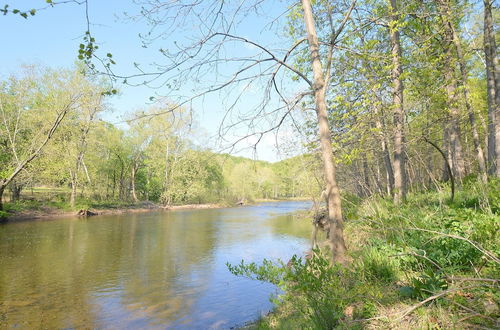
[{"x": 52, "y": 36}]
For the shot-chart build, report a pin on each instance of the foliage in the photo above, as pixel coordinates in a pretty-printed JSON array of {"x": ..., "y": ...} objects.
[{"x": 400, "y": 256}]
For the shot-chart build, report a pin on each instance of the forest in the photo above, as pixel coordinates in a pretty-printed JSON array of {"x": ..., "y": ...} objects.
[
  {"x": 395, "y": 109},
  {"x": 58, "y": 151}
]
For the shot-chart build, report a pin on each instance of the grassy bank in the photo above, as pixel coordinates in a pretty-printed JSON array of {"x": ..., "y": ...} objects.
[{"x": 429, "y": 264}]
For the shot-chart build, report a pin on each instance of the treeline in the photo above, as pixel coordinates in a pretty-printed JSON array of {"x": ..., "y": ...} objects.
[
  {"x": 52, "y": 135},
  {"x": 411, "y": 82}
]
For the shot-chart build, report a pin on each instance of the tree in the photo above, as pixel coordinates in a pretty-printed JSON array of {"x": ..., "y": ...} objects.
[
  {"x": 493, "y": 88},
  {"x": 319, "y": 87},
  {"x": 32, "y": 108},
  {"x": 399, "y": 115}
]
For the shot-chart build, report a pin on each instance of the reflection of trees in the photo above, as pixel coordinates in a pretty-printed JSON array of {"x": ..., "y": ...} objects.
[
  {"x": 52, "y": 272},
  {"x": 169, "y": 266},
  {"x": 290, "y": 225},
  {"x": 41, "y": 283},
  {"x": 236, "y": 222}
]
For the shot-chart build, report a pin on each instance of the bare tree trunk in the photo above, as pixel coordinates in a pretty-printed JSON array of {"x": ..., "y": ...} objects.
[
  {"x": 72, "y": 199},
  {"x": 457, "y": 163},
  {"x": 16, "y": 190},
  {"x": 452, "y": 33},
  {"x": 472, "y": 116},
  {"x": 114, "y": 183},
  {"x": 2, "y": 189},
  {"x": 366, "y": 175},
  {"x": 385, "y": 154},
  {"x": 493, "y": 86},
  {"x": 333, "y": 194},
  {"x": 134, "y": 171},
  {"x": 446, "y": 147},
  {"x": 399, "y": 115},
  {"x": 167, "y": 200}
]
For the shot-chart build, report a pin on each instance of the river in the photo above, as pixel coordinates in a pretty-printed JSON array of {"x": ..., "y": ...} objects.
[{"x": 151, "y": 270}]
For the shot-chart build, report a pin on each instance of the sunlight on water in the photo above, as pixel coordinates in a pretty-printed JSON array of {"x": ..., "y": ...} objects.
[{"x": 154, "y": 270}]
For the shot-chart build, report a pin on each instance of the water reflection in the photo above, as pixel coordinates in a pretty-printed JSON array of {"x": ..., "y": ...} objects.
[{"x": 163, "y": 269}]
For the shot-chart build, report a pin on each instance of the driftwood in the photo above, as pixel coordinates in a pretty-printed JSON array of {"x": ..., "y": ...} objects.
[
  {"x": 86, "y": 213},
  {"x": 240, "y": 203}
]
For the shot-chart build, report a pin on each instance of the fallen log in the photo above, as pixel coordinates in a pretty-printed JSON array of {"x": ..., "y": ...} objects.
[{"x": 86, "y": 213}]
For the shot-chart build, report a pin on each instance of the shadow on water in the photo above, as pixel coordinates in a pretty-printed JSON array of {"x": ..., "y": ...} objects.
[{"x": 143, "y": 270}]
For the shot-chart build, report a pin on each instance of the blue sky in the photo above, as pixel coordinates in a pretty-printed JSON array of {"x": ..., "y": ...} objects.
[{"x": 52, "y": 36}]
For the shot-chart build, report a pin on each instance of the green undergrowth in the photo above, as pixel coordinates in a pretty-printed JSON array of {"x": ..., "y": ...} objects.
[
  {"x": 429, "y": 263},
  {"x": 62, "y": 204}
]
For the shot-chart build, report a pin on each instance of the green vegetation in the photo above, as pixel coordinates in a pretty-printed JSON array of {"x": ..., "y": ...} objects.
[
  {"x": 394, "y": 103},
  {"x": 79, "y": 161},
  {"x": 427, "y": 264}
]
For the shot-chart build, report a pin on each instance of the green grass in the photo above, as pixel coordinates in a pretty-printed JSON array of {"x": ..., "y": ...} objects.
[
  {"x": 53, "y": 199},
  {"x": 400, "y": 256}
]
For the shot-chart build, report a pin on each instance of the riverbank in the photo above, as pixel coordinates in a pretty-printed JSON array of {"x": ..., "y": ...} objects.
[
  {"x": 430, "y": 263},
  {"x": 46, "y": 213},
  {"x": 36, "y": 212}
]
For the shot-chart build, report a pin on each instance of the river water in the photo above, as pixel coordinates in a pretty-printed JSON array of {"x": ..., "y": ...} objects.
[{"x": 150, "y": 270}]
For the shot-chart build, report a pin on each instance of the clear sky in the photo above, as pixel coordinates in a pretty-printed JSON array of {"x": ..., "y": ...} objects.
[{"x": 52, "y": 36}]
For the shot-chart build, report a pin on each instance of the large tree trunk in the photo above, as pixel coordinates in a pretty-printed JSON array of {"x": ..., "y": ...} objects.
[
  {"x": 332, "y": 191},
  {"x": 454, "y": 39},
  {"x": 399, "y": 116},
  {"x": 456, "y": 150},
  {"x": 493, "y": 86},
  {"x": 472, "y": 116}
]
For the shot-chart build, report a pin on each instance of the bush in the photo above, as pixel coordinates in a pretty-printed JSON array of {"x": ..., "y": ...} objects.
[{"x": 324, "y": 295}]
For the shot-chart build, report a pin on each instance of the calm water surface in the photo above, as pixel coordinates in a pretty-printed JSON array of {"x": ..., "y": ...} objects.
[{"x": 154, "y": 270}]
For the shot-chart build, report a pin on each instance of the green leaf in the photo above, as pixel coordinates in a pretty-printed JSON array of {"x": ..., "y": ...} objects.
[{"x": 407, "y": 291}]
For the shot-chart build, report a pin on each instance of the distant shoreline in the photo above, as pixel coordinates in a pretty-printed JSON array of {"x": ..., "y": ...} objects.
[{"x": 53, "y": 213}]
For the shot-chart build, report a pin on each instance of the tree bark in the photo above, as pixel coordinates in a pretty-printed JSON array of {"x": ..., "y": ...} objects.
[
  {"x": 493, "y": 86},
  {"x": 2, "y": 189},
  {"x": 456, "y": 150},
  {"x": 472, "y": 116},
  {"x": 386, "y": 155},
  {"x": 399, "y": 115},
  {"x": 72, "y": 198},
  {"x": 367, "y": 188},
  {"x": 16, "y": 190},
  {"x": 134, "y": 171},
  {"x": 454, "y": 39},
  {"x": 332, "y": 191}
]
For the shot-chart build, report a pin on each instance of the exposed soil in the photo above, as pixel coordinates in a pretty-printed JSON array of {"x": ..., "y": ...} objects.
[{"x": 51, "y": 213}]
